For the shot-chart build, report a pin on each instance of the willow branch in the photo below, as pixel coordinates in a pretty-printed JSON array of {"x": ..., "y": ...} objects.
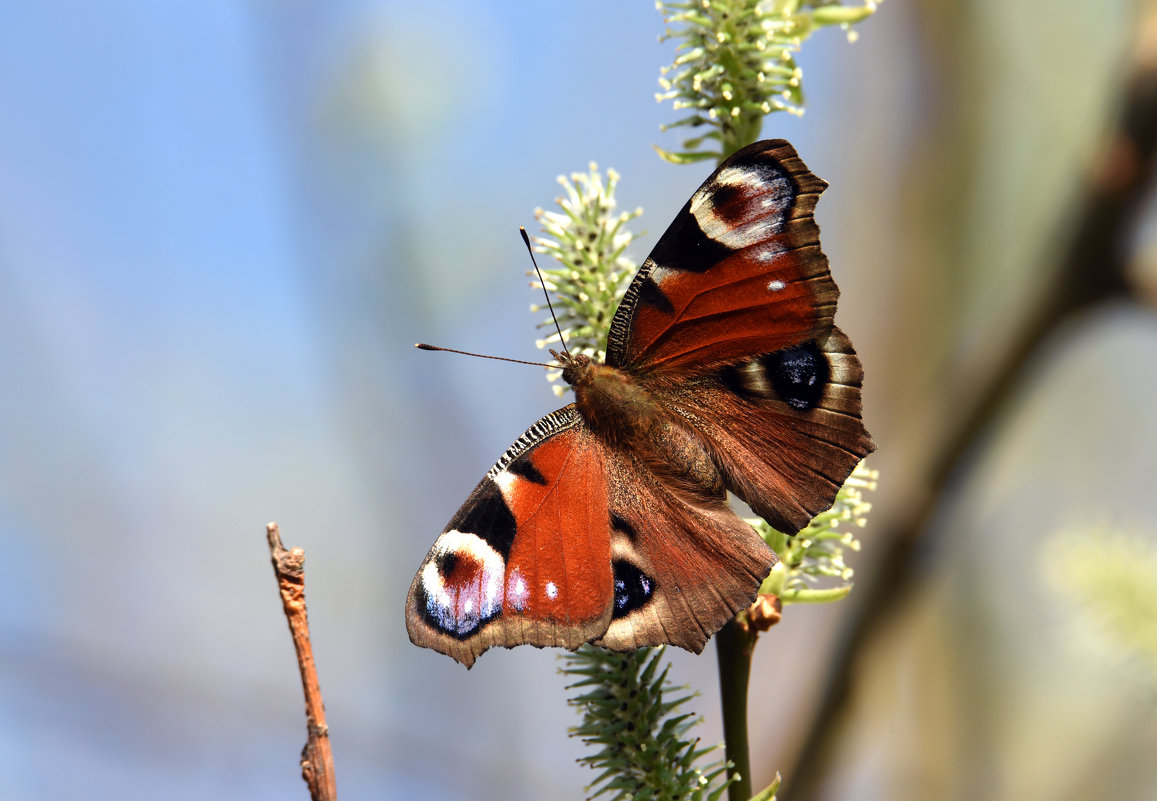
[
  {"x": 734, "y": 645},
  {"x": 317, "y": 756},
  {"x": 1092, "y": 270}
]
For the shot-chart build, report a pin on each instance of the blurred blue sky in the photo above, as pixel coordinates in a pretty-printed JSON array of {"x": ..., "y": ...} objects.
[{"x": 222, "y": 225}]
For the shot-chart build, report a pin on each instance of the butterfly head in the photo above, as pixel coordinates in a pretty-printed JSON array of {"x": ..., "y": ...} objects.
[{"x": 577, "y": 369}]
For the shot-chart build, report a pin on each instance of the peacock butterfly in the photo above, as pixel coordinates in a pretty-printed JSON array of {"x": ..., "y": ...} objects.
[{"x": 607, "y": 521}]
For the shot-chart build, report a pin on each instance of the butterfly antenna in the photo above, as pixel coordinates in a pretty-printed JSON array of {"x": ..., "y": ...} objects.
[
  {"x": 549, "y": 305},
  {"x": 424, "y": 346}
]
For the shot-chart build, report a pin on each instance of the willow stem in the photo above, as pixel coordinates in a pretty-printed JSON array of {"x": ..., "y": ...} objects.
[{"x": 734, "y": 645}]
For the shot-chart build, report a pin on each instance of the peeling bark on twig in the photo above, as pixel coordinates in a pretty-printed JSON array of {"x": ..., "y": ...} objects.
[{"x": 317, "y": 756}]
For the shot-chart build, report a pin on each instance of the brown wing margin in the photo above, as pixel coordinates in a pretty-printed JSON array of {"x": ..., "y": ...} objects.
[{"x": 738, "y": 273}]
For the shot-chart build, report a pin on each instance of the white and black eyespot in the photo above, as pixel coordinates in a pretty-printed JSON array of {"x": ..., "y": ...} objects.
[
  {"x": 461, "y": 583},
  {"x": 744, "y": 205}
]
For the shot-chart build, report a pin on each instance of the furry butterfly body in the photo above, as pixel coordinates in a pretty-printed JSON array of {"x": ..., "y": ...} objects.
[{"x": 607, "y": 521}]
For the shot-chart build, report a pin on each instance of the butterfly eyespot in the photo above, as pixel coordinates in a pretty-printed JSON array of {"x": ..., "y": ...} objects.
[
  {"x": 799, "y": 375},
  {"x": 745, "y": 205},
  {"x": 461, "y": 583},
  {"x": 633, "y": 588}
]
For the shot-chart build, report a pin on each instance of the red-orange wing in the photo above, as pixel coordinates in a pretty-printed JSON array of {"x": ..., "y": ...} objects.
[
  {"x": 739, "y": 272},
  {"x": 527, "y": 559}
]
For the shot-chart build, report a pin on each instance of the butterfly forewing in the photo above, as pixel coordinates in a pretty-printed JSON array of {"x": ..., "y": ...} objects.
[
  {"x": 738, "y": 273},
  {"x": 527, "y": 557}
]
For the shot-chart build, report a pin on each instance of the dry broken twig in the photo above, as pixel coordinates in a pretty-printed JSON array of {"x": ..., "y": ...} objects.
[{"x": 317, "y": 756}]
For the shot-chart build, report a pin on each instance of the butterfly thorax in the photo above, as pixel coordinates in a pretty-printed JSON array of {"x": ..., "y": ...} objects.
[
  {"x": 625, "y": 415},
  {"x": 613, "y": 405}
]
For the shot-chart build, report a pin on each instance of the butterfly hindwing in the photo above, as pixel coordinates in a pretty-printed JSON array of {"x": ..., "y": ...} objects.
[
  {"x": 681, "y": 568},
  {"x": 785, "y": 428}
]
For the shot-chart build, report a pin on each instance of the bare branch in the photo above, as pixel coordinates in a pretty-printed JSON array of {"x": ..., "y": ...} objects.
[{"x": 317, "y": 756}]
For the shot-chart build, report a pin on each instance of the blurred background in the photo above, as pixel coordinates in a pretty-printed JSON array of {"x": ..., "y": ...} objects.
[{"x": 224, "y": 223}]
